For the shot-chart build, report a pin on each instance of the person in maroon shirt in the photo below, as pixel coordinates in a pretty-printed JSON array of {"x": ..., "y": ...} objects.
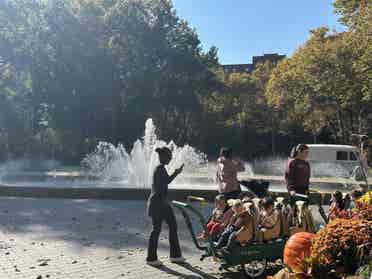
[{"x": 297, "y": 173}]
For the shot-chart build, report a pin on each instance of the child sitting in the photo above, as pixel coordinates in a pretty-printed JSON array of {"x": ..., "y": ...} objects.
[
  {"x": 269, "y": 221},
  {"x": 234, "y": 232},
  {"x": 355, "y": 195},
  {"x": 337, "y": 206},
  {"x": 218, "y": 219},
  {"x": 246, "y": 232}
]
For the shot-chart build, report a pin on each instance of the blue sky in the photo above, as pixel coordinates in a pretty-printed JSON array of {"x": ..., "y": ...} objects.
[{"x": 243, "y": 28}]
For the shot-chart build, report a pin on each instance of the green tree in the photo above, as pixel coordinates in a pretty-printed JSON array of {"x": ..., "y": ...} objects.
[{"x": 321, "y": 86}]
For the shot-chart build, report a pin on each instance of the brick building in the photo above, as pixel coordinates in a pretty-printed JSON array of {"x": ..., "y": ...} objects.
[{"x": 248, "y": 68}]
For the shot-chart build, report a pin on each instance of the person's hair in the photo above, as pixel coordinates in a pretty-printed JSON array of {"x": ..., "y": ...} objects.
[
  {"x": 339, "y": 200},
  {"x": 267, "y": 202},
  {"x": 234, "y": 203},
  {"x": 298, "y": 149},
  {"x": 163, "y": 152},
  {"x": 246, "y": 199},
  {"x": 226, "y": 152},
  {"x": 338, "y": 196},
  {"x": 356, "y": 194},
  {"x": 219, "y": 198},
  {"x": 246, "y": 195}
]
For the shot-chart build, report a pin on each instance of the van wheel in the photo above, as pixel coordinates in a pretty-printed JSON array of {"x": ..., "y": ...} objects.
[{"x": 254, "y": 269}]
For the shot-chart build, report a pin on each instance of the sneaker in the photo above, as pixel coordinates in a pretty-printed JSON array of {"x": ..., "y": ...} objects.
[
  {"x": 154, "y": 263},
  {"x": 178, "y": 260}
]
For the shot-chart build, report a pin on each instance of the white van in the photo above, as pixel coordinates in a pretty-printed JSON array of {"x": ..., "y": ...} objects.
[
  {"x": 334, "y": 153},
  {"x": 325, "y": 157}
]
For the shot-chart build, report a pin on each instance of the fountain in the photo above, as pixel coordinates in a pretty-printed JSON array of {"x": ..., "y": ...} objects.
[
  {"x": 113, "y": 163},
  {"x": 113, "y": 166}
]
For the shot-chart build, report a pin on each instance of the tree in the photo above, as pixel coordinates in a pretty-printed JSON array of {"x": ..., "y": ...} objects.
[
  {"x": 320, "y": 84},
  {"x": 102, "y": 67},
  {"x": 349, "y": 10}
]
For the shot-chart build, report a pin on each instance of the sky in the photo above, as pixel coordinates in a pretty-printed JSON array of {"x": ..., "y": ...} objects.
[{"x": 241, "y": 29}]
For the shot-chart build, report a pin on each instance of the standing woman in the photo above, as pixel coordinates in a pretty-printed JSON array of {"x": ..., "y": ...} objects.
[
  {"x": 227, "y": 174},
  {"x": 297, "y": 177},
  {"x": 160, "y": 210},
  {"x": 297, "y": 173}
]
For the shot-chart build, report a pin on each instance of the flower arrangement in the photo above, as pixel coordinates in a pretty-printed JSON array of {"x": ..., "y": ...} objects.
[
  {"x": 366, "y": 198},
  {"x": 338, "y": 213},
  {"x": 338, "y": 245},
  {"x": 362, "y": 211}
]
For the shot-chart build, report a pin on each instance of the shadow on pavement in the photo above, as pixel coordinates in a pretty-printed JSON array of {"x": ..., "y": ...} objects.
[{"x": 106, "y": 223}]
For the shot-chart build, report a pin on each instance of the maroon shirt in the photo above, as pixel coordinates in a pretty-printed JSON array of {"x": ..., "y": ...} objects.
[{"x": 297, "y": 176}]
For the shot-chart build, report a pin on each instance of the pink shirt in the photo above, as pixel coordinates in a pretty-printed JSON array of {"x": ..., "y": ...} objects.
[{"x": 227, "y": 171}]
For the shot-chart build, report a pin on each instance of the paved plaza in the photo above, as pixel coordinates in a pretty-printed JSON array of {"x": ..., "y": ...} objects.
[{"x": 62, "y": 238}]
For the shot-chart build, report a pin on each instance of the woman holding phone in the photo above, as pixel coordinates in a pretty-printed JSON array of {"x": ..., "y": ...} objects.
[{"x": 159, "y": 209}]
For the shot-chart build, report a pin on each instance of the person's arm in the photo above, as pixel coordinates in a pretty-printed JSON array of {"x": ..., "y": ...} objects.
[
  {"x": 290, "y": 177},
  {"x": 213, "y": 216},
  {"x": 169, "y": 178},
  {"x": 332, "y": 210},
  {"x": 239, "y": 165},
  {"x": 270, "y": 221},
  {"x": 227, "y": 217},
  {"x": 242, "y": 220}
]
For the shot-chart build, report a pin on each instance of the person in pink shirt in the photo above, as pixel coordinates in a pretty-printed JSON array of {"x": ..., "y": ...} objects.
[{"x": 227, "y": 174}]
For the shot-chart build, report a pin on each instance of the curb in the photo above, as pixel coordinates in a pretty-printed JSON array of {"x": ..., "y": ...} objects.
[{"x": 119, "y": 193}]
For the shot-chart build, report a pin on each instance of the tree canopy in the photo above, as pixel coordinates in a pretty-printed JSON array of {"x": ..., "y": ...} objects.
[{"x": 73, "y": 72}]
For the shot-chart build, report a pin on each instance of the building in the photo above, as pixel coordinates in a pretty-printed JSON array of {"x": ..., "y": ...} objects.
[{"x": 248, "y": 68}]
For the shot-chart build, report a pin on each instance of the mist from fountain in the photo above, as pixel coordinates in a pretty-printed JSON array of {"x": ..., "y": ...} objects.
[{"x": 110, "y": 162}]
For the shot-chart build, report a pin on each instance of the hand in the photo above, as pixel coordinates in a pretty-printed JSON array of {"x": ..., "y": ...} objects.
[
  {"x": 292, "y": 193},
  {"x": 180, "y": 169}
]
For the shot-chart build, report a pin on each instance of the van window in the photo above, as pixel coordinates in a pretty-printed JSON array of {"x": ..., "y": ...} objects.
[
  {"x": 353, "y": 156},
  {"x": 342, "y": 156}
]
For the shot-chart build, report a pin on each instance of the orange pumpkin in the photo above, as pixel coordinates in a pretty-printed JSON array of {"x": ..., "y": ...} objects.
[{"x": 296, "y": 250}]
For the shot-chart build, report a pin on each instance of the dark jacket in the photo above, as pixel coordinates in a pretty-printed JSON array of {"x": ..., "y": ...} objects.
[
  {"x": 158, "y": 203},
  {"x": 297, "y": 176}
]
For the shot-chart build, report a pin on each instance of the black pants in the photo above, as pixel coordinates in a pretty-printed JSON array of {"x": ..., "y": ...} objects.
[
  {"x": 232, "y": 242},
  {"x": 157, "y": 219},
  {"x": 224, "y": 237}
]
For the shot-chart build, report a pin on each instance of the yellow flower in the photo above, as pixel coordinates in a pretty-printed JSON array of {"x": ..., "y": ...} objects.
[{"x": 366, "y": 198}]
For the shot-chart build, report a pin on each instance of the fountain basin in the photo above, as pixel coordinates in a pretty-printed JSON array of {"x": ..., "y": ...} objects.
[{"x": 130, "y": 193}]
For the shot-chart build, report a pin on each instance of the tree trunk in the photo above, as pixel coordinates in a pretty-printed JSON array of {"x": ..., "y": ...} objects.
[
  {"x": 341, "y": 126},
  {"x": 360, "y": 121}
]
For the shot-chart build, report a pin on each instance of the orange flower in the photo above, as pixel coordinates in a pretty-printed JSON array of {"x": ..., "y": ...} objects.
[{"x": 338, "y": 236}]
